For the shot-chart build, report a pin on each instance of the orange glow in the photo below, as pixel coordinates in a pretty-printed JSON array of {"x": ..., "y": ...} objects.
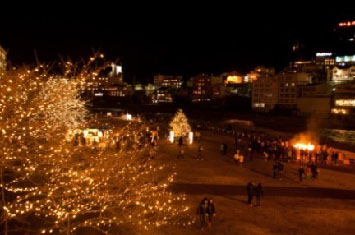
[
  {"x": 234, "y": 79},
  {"x": 303, "y": 146},
  {"x": 347, "y": 24},
  {"x": 339, "y": 111}
]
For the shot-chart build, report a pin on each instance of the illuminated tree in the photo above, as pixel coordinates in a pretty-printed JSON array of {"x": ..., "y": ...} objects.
[
  {"x": 49, "y": 185},
  {"x": 179, "y": 124}
]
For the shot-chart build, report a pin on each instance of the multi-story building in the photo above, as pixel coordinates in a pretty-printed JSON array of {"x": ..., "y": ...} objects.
[
  {"x": 341, "y": 74},
  {"x": 3, "y": 61},
  {"x": 344, "y": 99},
  {"x": 316, "y": 69},
  {"x": 106, "y": 84},
  {"x": 232, "y": 78},
  {"x": 314, "y": 99},
  {"x": 277, "y": 92},
  {"x": 345, "y": 61},
  {"x": 259, "y": 71},
  {"x": 174, "y": 82},
  {"x": 162, "y": 95},
  {"x": 207, "y": 87},
  {"x": 345, "y": 34},
  {"x": 265, "y": 91},
  {"x": 288, "y": 90}
]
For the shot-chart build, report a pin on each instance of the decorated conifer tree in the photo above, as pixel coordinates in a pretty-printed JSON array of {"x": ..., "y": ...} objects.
[{"x": 180, "y": 124}]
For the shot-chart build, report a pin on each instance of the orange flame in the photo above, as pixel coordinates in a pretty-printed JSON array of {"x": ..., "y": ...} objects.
[{"x": 304, "y": 146}]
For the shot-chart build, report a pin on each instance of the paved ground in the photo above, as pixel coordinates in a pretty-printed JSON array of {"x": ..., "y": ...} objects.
[{"x": 323, "y": 206}]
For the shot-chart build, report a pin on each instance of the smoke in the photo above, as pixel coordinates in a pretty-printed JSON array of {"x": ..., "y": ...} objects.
[{"x": 312, "y": 133}]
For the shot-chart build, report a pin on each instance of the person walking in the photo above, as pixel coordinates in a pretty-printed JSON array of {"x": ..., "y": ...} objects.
[
  {"x": 211, "y": 211},
  {"x": 258, "y": 193},
  {"x": 300, "y": 173},
  {"x": 250, "y": 192}
]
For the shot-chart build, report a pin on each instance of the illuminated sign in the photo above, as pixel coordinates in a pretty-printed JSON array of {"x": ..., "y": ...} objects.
[
  {"x": 323, "y": 54},
  {"x": 347, "y": 24},
  {"x": 99, "y": 94},
  {"x": 346, "y": 58},
  {"x": 345, "y": 102}
]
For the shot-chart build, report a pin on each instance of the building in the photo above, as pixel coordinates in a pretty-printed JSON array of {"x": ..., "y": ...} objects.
[
  {"x": 207, "y": 87},
  {"x": 3, "y": 61},
  {"x": 231, "y": 78},
  {"x": 277, "y": 92},
  {"x": 107, "y": 83},
  {"x": 265, "y": 92},
  {"x": 325, "y": 59},
  {"x": 343, "y": 74},
  {"x": 174, "y": 82},
  {"x": 115, "y": 75},
  {"x": 314, "y": 99},
  {"x": 345, "y": 34},
  {"x": 149, "y": 89},
  {"x": 288, "y": 83},
  {"x": 344, "y": 99},
  {"x": 259, "y": 71},
  {"x": 315, "y": 68},
  {"x": 344, "y": 61},
  {"x": 163, "y": 95}
]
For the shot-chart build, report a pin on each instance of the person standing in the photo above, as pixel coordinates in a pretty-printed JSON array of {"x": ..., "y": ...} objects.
[
  {"x": 274, "y": 168},
  {"x": 221, "y": 148},
  {"x": 181, "y": 154},
  {"x": 308, "y": 170},
  {"x": 198, "y": 136},
  {"x": 241, "y": 160},
  {"x": 202, "y": 212},
  {"x": 258, "y": 193},
  {"x": 250, "y": 192},
  {"x": 180, "y": 141},
  {"x": 225, "y": 148},
  {"x": 199, "y": 153},
  {"x": 211, "y": 211},
  {"x": 300, "y": 173},
  {"x": 236, "y": 157},
  {"x": 280, "y": 168},
  {"x": 314, "y": 171}
]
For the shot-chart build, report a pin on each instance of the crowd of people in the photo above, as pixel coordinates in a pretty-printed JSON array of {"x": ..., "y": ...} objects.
[
  {"x": 252, "y": 144},
  {"x": 143, "y": 136}
]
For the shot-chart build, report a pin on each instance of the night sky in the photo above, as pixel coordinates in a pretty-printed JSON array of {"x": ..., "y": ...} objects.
[{"x": 178, "y": 43}]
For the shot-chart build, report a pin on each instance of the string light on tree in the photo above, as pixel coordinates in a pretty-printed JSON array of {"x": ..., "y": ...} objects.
[
  {"x": 180, "y": 124},
  {"x": 61, "y": 185}
]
